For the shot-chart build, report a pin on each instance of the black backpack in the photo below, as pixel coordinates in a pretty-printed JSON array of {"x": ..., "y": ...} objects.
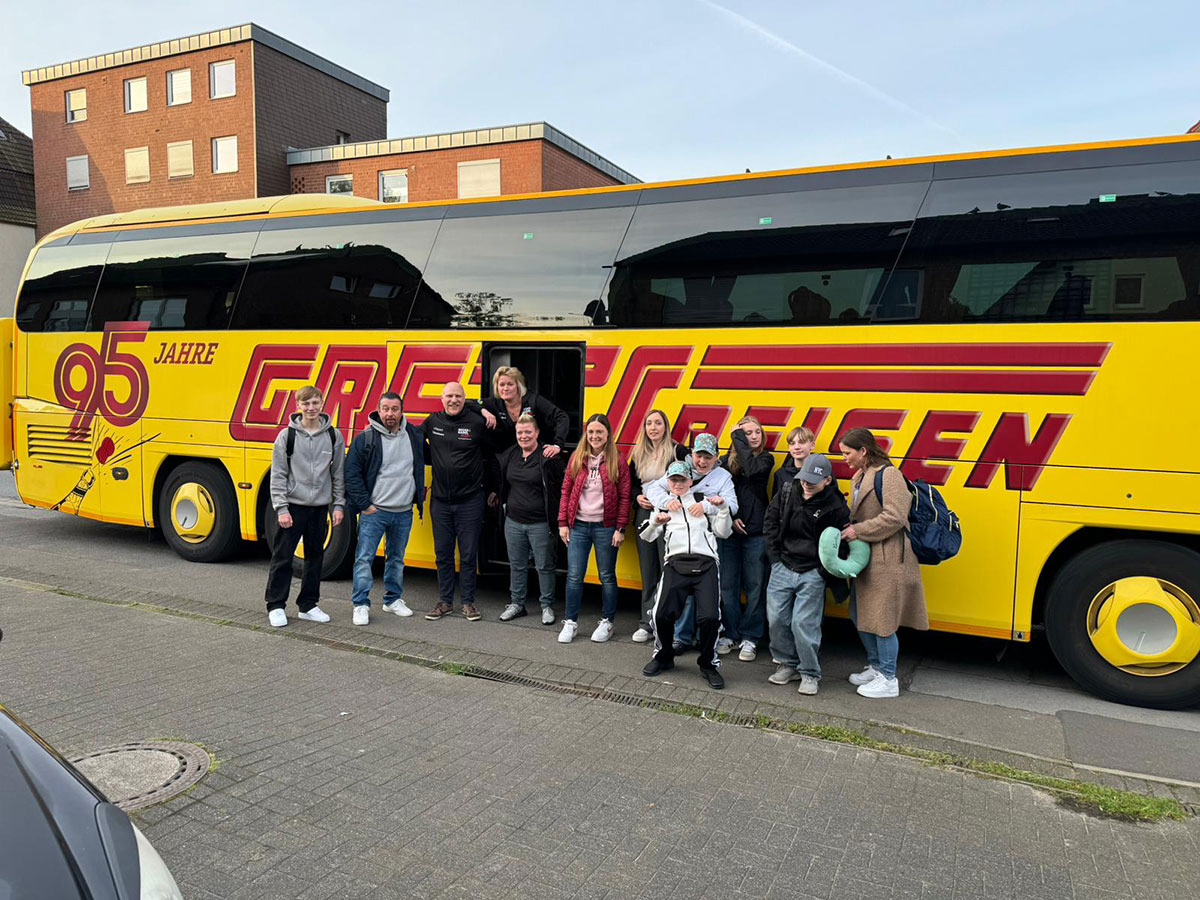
[{"x": 933, "y": 529}]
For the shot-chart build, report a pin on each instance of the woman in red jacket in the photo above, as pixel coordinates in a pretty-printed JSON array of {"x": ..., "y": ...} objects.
[{"x": 593, "y": 513}]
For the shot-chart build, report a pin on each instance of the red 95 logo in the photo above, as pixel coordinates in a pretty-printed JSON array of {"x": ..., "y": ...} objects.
[{"x": 85, "y": 378}]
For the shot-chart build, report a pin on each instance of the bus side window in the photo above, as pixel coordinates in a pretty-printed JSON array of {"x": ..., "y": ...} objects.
[{"x": 58, "y": 289}]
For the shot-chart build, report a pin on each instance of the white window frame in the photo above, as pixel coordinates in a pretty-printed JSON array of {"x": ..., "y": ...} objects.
[
  {"x": 172, "y": 100},
  {"x": 212, "y": 79},
  {"x": 228, "y": 137},
  {"x": 87, "y": 172},
  {"x": 76, "y": 115},
  {"x": 129, "y": 84},
  {"x": 136, "y": 152},
  {"x": 191, "y": 169},
  {"x": 473, "y": 163},
  {"x": 342, "y": 176},
  {"x": 385, "y": 172}
]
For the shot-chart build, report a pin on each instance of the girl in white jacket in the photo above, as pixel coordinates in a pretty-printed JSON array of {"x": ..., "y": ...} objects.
[{"x": 689, "y": 568}]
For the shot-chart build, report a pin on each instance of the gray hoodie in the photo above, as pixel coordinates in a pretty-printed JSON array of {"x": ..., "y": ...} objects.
[
  {"x": 395, "y": 485},
  {"x": 317, "y": 470}
]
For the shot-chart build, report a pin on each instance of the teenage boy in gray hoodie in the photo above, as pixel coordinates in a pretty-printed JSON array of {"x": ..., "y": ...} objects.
[
  {"x": 385, "y": 479},
  {"x": 306, "y": 477}
]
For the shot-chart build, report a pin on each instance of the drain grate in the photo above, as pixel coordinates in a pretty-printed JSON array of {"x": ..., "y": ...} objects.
[{"x": 137, "y": 775}]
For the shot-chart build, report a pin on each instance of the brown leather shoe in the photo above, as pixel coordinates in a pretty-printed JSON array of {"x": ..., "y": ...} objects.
[
  {"x": 470, "y": 613},
  {"x": 442, "y": 609}
]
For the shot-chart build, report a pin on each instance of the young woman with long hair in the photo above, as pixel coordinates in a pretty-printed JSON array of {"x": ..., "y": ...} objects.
[
  {"x": 593, "y": 512},
  {"x": 888, "y": 592},
  {"x": 652, "y": 452}
]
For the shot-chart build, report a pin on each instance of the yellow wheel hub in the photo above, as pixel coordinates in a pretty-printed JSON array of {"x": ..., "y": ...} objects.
[
  {"x": 1145, "y": 626},
  {"x": 328, "y": 537},
  {"x": 193, "y": 512}
]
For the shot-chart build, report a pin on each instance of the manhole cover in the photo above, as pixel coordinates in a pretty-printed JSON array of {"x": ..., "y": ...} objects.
[{"x": 137, "y": 775}]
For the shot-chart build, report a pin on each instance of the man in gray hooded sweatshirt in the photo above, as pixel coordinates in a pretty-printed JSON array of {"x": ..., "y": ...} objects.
[
  {"x": 306, "y": 477},
  {"x": 385, "y": 479}
]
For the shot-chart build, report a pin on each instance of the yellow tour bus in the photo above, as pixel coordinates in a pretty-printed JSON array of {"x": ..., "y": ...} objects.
[{"x": 1019, "y": 328}]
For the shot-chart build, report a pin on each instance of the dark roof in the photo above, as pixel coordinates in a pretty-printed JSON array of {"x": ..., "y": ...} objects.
[
  {"x": 16, "y": 176},
  {"x": 1195, "y": 129}
]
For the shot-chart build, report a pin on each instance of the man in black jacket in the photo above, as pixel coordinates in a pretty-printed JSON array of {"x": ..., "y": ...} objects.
[
  {"x": 796, "y": 589},
  {"x": 530, "y": 488},
  {"x": 458, "y": 449},
  {"x": 385, "y": 479}
]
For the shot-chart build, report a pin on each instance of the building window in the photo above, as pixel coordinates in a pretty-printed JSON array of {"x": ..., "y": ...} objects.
[
  {"x": 135, "y": 95},
  {"x": 179, "y": 159},
  {"x": 479, "y": 178},
  {"x": 137, "y": 165},
  {"x": 179, "y": 87},
  {"x": 222, "y": 79},
  {"x": 77, "y": 105},
  {"x": 339, "y": 184},
  {"x": 77, "y": 173},
  {"x": 393, "y": 186},
  {"x": 1127, "y": 292},
  {"x": 342, "y": 137},
  {"x": 224, "y": 155}
]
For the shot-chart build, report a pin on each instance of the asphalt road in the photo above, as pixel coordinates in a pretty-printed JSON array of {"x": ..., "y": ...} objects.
[{"x": 976, "y": 691}]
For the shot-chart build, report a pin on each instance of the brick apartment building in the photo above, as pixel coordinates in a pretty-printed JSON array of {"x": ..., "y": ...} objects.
[{"x": 218, "y": 116}]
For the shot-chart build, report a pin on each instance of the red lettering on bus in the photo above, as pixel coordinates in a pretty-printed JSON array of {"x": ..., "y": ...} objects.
[
  {"x": 929, "y": 444},
  {"x": 351, "y": 378},
  {"x": 420, "y": 365},
  {"x": 259, "y": 412},
  {"x": 696, "y": 418},
  {"x": 94, "y": 396},
  {"x": 1023, "y": 459},
  {"x": 640, "y": 384},
  {"x": 768, "y": 416},
  {"x": 876, "y": 420},
  {"x": 599, "y": 366}
]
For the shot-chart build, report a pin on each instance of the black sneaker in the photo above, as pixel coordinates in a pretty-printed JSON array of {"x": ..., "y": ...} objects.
[
  {"x": 654, "y": 667},
  {"x": 714, "y": 679}
]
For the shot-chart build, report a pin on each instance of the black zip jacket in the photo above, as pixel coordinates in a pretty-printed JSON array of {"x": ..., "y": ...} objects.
[
  {"x": 552, "y": 422},
  {"x": 793, "y": 527},
  {"x": 784, "y": 475},
  {"x": 750, "y": 482},
  {"x": 459, "y": 450},
  {"x": 552, "y": 478},
  {"x": 365, "y": 459}
]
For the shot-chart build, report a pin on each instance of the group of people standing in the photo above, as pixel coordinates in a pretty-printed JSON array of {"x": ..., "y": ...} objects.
[{"x": 709, "y": 530}]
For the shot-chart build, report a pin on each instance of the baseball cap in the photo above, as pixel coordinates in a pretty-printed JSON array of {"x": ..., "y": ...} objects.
[
  {"x": 679, "y": 467},
  {"x": 816, "y": 468},
  {"x": 705, "y": 443}
]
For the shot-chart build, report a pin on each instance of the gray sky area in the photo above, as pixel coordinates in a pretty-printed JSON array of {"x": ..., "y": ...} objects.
[{"x": 681, "y": 88}]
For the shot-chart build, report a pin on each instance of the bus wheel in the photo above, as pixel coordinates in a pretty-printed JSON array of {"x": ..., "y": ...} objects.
[
  {"x": 198, "y": 512},
  {"x": 339, "y": 552},
  {"x": 1123, "y": 618}
]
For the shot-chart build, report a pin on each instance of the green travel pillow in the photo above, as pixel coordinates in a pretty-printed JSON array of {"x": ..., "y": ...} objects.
[{"x": 828, "y": 547}]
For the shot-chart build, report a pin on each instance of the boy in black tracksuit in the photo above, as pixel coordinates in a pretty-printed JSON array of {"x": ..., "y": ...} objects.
[{"x": 797, "y": 515}]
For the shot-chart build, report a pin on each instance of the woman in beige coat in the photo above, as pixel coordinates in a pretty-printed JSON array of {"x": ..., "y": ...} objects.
[{"x": 888, "y": 592}]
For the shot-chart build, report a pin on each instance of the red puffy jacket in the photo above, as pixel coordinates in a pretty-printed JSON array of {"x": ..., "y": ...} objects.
[{"x": 616, "y": 497}]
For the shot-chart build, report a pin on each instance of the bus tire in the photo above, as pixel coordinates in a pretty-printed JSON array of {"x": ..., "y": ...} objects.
[
  {"x": 1076, "y": 603},
  {"x": 338, "y": 561},
  {"x": 198, "y": 512}
]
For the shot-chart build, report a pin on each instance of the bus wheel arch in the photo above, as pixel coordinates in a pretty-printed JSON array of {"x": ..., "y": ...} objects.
[
  {"x": 196, "y": 508},
  {"x": 1122, "y": 615},
  {"x": 338, "y": 561}
]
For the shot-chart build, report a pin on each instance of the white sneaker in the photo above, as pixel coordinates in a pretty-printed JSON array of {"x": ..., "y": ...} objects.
[
  {"x": 316, "y": 614},
  {"x": 512, "y": 611},
  {"x": 569, "y": 630},
  {"x": 362, "y": 615},
  {"x": 724, "y": 645},
  {"x": 547, "y": 616},
  {"x": 880, "y": 687},
  {"x": 783, "y": 675},
  {"x": 397, "y": 606},
  {"x": 277, "y": 617},
  {"x": 866, "y": 676},
  {"x": 642, "y": 635},
  {"x": 603, "y": 631},
  {"x": 748, "y": 651},
  {"x": 808, "y": 685}
]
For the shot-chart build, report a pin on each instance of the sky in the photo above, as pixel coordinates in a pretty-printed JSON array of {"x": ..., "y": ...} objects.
[{"x": 684, "y": 88}]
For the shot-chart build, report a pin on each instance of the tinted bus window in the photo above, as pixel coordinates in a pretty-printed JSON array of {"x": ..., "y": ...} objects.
[
  {"x": 59, "y": 287},
  {"x": 185, "y": 281},
  {"x": 1109, "y": 242},
  {"x": 335, "y": 272},
  {"x": 819, "y": 256},
  {"x": 524, "y": 265}
]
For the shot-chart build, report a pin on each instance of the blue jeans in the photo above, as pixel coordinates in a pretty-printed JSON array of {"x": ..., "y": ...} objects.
[
  {"x": 585, "y": 535},
  {"x": 524, "y": 541},
  {"x": 743, "y": 564},
  {"x": 396, "y": 527},
  {"x": 882, "y": 649},
  {"x": 795, "y": 607}
]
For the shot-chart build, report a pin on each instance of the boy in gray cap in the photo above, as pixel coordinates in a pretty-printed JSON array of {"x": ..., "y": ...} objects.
[{"x": 796, "y": 589}]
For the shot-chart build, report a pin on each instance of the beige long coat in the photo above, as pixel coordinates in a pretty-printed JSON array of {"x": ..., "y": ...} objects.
[{"x": 888, "y": 591}]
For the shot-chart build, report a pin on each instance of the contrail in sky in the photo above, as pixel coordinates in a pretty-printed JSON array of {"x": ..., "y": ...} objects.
[{"x": 843, "y": 76}]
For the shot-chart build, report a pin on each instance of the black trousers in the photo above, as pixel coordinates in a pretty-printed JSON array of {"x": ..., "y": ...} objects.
[
  {"x": 673, "y": 592},
  {"x": 308, "y": 522},
  {"x": 456, "y": 523}
]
